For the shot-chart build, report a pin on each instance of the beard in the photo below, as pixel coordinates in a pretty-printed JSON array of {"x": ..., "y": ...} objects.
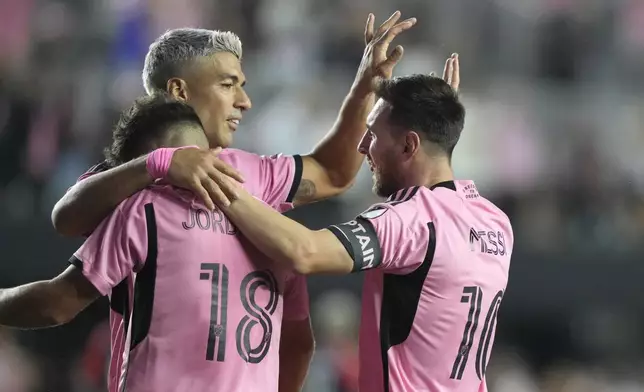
[{"x": 385, "y": 184}]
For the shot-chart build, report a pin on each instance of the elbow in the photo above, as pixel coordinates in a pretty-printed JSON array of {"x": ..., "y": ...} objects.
[
  {"x": 67, "y": 221},
  {"x": 342, "y": 182},
  {"x": 61, "y": 222},
  {"x": 303, "y": 260}
]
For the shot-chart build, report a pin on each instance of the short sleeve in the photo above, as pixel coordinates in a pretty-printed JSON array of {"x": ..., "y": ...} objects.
[
  {"x": 382, "y": 238},
  {"x": 280, "y": 176},
  {"x": 117, "y": 247},
  {"x": 98, "y": 168},
  {"x": 296, "y": 298}
]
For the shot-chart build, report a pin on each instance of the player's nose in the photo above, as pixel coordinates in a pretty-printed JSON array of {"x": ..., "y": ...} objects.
[
  {"x": 363, "y": 146},
  {"x": 242, "y": 100}
]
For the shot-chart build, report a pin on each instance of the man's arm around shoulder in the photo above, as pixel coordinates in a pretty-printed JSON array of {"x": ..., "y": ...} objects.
[{"x": 89, "y": 201}]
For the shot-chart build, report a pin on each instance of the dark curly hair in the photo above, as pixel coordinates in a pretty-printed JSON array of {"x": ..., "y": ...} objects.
[{"x": 147, "y": 121}]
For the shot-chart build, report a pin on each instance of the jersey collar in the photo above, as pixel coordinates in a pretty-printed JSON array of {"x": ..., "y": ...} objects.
[{"x": 445, "y": 184}]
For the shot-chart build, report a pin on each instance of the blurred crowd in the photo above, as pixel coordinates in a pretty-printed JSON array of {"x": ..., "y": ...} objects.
[{"x": 554, "y": 92}]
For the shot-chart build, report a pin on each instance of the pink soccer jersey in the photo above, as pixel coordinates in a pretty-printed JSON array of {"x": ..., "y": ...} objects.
[
  {"x": 437, "y": 264},
  {"x": 194, "y": 306}
]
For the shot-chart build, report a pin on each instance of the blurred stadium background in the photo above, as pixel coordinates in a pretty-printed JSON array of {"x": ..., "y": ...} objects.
[{"x": 554, "y": 91}]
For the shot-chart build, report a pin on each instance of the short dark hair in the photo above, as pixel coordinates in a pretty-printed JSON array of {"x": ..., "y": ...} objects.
[
  {"x": 147, "y": 120},
  {"x": 425, "y": 104}
]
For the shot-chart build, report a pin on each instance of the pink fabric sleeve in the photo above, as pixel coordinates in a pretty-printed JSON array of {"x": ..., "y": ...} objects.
[
  {"x": 114, "y": 250},
  {"x": 280, "y": 176},
  {"x": 385, "y": 238}
]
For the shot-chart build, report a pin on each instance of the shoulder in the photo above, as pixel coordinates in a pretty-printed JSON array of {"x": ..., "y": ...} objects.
[
  {"x": 399, "y": 210},
  {"x": 235, "y": 156},
  {"x": 135, "y": 205},
  {"x": 402, "y": 205}
]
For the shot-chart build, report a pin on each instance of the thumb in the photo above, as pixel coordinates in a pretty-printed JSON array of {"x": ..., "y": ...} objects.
[
  {"x": 394, "y": 57},
  {"x": 216, "y": 151}
]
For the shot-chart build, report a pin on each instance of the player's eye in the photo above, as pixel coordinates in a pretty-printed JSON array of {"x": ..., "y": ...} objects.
[{"x": 227, "y": 85}]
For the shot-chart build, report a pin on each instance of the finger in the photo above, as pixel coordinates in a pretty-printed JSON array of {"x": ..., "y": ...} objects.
[
  {"x": 447, "y": 70},
  {"x": 368, "y": 30},
  {"x": 228, "y": 170},
  {"x": 386, "y": 25},
  {"x": 216, "y": 151},
  {"x": 227, "y": 185},
  {"x": 388, "y": 36},
  {"x": 456, "y": 73},
  {"x": 202, "y": 193},
  {"x": 215, "y": 192},
  {"x": 393, "y": 58}
]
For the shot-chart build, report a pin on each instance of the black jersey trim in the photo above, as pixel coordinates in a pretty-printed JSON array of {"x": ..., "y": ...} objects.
[
  {"x": 445, "y": 184},
  {"x": 400, "y": 298},
  {"x": 144, "y": 287},
  {"x": 145, "y": 283},
  {"x": 297, "y": 178},
  {"x": 403, "y": 195}
]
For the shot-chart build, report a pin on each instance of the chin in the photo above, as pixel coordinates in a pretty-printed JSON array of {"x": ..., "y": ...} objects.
[
  {"x": 223, "y": 141},
  {"x": 384, "y": 189}
]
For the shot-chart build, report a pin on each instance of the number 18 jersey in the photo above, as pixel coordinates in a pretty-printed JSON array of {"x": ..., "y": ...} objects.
[
  {"x": 437, "y": 264},
  {"x": 201, "y": 309}
]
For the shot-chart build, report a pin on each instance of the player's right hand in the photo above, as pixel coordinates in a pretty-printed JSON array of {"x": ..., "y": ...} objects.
[
  {"x": 376, "y": 63},
  {"x": 202, "y": 172}
]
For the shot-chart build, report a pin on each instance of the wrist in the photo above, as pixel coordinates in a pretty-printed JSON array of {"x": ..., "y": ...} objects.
[
  {"x": 157, "y": 163},
  {"x": 362, "y": 88}
]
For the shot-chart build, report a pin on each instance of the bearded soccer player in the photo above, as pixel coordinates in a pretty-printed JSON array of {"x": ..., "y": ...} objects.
[
  {"x": 201, "y": 309},
  {"x": 203, "y": 68},
  {"x": 436, "y": 254}
]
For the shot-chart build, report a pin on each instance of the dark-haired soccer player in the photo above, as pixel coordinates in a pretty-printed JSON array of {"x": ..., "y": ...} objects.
[
  {"x": 195, "y": 306},
  {"x": 436, "y": 254}
]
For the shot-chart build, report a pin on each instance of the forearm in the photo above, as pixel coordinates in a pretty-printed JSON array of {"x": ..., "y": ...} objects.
[
  {"x": 88, "y": 202},
  {"x": 283, "y": 240},
  {"x": 294, "y": 366},
  {"x": 29, "y": 306},
  {"x": 338, "y": 151}
]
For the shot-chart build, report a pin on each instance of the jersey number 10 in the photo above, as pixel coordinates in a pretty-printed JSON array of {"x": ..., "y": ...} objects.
[
  {"x": 257, "y": 316},
  {"x": 474, "y": 296}
]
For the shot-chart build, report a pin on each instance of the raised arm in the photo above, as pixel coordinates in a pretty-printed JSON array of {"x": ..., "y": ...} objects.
[
  {"x": 333, "y": 164},
  {"x": 88, "y": 202}
]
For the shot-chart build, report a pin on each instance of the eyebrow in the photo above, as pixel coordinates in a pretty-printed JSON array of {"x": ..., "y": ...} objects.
[{"x": 234, "y": 78}]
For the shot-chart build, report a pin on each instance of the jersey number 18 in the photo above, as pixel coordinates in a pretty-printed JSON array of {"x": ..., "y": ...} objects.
[{"x": 257, "y": 316}]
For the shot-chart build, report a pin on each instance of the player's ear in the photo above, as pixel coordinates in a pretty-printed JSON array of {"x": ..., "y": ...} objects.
[
  {"x": 412, "y": 144},
  {"x": 177, "y": 88}
]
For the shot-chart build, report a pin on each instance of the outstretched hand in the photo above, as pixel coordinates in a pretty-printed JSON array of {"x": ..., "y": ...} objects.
[
  {"x": 375, "y": 62},
  {"x": 451, "y": 72}
]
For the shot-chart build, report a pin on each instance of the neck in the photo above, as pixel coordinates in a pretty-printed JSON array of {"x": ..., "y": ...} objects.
[{"x": 431, "y": 172}]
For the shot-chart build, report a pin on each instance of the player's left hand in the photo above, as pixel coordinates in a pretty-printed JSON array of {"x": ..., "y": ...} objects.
[
  {"x": 451, "y": 72},
  {"x": 375, "y": 62}
]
